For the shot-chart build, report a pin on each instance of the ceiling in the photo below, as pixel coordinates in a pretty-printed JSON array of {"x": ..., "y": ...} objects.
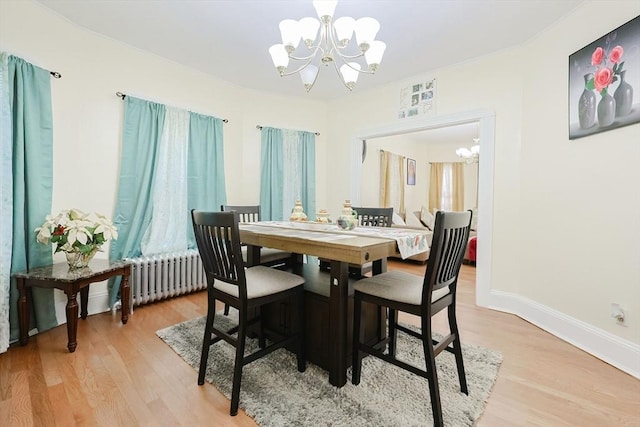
[{"x": 229, "y": 39}]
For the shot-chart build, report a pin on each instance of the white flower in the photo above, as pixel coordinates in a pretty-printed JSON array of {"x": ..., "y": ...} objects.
[
  {"x": 73, "y": 230},
  {"x": 108, "y": 231},
  {"x": 44, "y": 234}
]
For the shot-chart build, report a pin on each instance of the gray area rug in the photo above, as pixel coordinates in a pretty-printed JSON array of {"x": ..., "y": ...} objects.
[{"x": 274, "y": 393}]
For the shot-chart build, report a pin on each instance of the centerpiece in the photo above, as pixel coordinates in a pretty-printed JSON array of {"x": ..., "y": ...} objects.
[{"x": 79, "y": 235}]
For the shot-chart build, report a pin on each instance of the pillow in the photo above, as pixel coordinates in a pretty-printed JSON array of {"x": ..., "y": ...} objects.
[
  {"x": 427, "y": 218},
  {"x": 397, "y": 219},
  {"x": 413, "y": 220}
]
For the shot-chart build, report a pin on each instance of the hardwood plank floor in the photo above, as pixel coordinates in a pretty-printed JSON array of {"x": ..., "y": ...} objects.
[{"x": 126, "y": 376}]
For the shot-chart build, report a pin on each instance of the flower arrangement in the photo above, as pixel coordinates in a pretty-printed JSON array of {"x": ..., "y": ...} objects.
[
  {"x": 608, "y": 68},
  {"x": 78, "y": 234}
]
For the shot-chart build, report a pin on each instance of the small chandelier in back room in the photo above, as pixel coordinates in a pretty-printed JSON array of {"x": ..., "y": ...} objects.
[
  {"x": 472, "y": 154},
  {"x": 332, "y": 44}
]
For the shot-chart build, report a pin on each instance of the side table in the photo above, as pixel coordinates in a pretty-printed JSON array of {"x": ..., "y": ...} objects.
[{"x": 59, "y": 276}]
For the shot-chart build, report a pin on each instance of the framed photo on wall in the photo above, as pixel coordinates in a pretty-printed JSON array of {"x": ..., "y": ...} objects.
[
  {"x": 417, "y": 98},
  {"x": 411, "y": 172},
  {"x": 604, "y": 82}
]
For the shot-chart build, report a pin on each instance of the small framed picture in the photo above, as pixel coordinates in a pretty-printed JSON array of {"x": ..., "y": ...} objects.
[{"x": 411, "y": 172}]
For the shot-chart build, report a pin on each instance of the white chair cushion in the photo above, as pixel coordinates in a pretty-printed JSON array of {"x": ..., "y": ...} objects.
[
  {"x": 397, "y": 286},
  {"x": 267, "y": 255},
  {"x": 262, "y": 281}
]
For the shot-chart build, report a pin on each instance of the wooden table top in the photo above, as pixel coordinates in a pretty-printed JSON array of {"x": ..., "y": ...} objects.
[{"x": 317, "y": 240}]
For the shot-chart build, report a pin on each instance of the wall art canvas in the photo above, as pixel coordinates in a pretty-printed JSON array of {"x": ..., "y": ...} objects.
[
  {"x": 411, "y": 172},
  {"x": 604, "y": 82},
  {"x": 418, "y": 98}
]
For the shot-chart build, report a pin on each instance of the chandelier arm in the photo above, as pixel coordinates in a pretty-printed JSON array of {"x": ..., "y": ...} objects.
[
  {"x": 353, "y": 68},
  {"x": 335, "y": 65},
  {"x": 302, "y": 67},
  {"x": 360, "y": 55},
  {"x": 308, "y": 60},
  {"x": 311, "y": 55},
  {"x": 304, "y": 58},
  {"x": 336, "y": 49}
]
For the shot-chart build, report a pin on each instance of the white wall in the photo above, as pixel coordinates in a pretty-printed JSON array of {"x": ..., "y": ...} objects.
[
  {"x": 88, "y": 115},
  {"x": 565, "y": 214}
]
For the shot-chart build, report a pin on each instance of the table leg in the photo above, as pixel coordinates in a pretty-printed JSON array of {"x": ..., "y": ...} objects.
[
  {"x": 23, "y": 312},
  {"x": 72, "y": 320},
  {"x": 253, "y": 255},
  {"x": 84, "y": 302},
  {"x": 125, "y": 295},
  {"x": 379, "y": 266},
  {"x": 338, "y": 304}
]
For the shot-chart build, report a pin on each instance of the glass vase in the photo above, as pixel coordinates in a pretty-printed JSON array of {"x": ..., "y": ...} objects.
[
  {"x": 623, "y": 96},
  {"x": 606, "y": 110},
  {"x": 587, "y": 105},
  {"x": 77, "y": 259}
]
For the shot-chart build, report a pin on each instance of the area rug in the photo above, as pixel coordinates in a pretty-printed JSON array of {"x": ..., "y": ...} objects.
[{"x": 274, "y": 393}]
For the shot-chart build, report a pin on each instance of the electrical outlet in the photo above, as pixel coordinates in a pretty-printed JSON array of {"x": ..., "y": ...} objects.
[{"x": 618, "y": 313}]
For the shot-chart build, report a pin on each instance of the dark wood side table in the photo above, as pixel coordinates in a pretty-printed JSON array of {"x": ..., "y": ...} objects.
[{"x": 70, "y": 281}]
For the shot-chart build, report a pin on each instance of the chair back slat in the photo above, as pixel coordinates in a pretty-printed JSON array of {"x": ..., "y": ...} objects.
[
  {"x": 246, "y": 213},
  {"x": 374, "y": 217},
  {"x": 218, "y": 239},
  {"x": 450, "y": 236}
]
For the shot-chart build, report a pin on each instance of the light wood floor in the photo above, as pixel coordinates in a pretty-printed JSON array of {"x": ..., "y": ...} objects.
[{"x": 126, "y": 376}]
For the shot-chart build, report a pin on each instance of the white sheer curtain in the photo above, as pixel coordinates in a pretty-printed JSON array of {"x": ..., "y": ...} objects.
[
  {"x": 6, "y": 202},
  {"x": 392, "y": 181},
  {"x": 446, "y": 202},
  {"x": 166, "y": 234},
  {"x": 450, "y": 195},
  {"x": 292, "y": 173}
]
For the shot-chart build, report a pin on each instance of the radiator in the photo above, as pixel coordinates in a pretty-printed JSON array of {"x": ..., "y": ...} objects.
[{"x": 165, "y": 276}]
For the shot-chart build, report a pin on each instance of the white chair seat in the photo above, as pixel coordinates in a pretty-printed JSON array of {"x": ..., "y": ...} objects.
[
  {"x": 397, "y": 286},
  {"x": 262, "y": 281}
]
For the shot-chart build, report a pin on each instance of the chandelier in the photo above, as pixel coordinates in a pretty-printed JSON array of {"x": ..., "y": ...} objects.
[
  {"x": 332, "y": 45},
  {"x": 472, "y": 154}
]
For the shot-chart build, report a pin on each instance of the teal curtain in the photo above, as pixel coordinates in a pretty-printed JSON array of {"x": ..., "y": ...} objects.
[
  {"x": 271, "y": 175},
  {"x": 32, "y": 173},
  {"x": 143, "y": 123},
  {"x": 307, "y": 162},
  {"x": 205, "y": 185},
  {"x": 6, "y": 201}
]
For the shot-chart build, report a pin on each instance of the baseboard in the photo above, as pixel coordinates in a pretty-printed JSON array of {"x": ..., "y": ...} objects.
[{"x": 616, "y": 351}]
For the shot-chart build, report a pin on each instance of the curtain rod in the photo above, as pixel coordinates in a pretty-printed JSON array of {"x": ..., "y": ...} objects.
[
  {"x": 55, "y": 74},
  {"x": 123, "y": 95},
  {"x": 259, "y": 127}
]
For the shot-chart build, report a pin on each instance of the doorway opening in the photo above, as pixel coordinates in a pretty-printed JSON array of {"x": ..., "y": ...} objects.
[{"x": 485, "y": 120}]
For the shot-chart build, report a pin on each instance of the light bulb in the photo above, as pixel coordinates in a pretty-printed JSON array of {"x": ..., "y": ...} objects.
[
  {"x": 349, "y": 74},
  {"x": 290, "y": 33},
  {"x": 279, "y": 57}
]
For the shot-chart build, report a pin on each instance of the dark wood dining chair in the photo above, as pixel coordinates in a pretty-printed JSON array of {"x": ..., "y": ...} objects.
[
  {"x": 268, "y": 256},
  {"x": 423, "y": 297},
  {"x": 374, "y": 217},
  {"x": 246, "y": 289}
]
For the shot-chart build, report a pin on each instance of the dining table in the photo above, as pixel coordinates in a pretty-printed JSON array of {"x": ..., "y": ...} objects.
[{"x": 341, "y": 248}]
